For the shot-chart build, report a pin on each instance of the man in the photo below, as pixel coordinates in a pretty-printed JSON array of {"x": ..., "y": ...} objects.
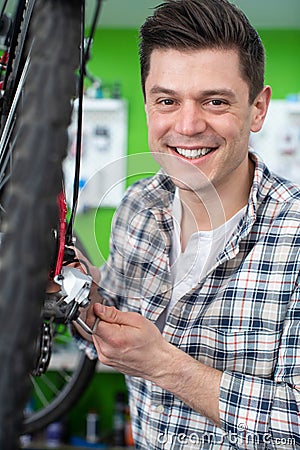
[{"x": 203, "y": 268}]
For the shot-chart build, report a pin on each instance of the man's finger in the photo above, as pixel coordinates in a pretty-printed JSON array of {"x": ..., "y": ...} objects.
[{"x": 112, "y": 315}]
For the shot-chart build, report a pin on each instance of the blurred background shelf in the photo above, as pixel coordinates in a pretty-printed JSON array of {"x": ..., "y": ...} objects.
[{"x": 66, "y": 360}]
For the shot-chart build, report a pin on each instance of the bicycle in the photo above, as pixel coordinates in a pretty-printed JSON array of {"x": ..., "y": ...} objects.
[{"x": 45, "y": 48}]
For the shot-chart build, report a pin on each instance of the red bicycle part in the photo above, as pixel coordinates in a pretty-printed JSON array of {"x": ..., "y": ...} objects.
[{"x": 62, "y": 205}]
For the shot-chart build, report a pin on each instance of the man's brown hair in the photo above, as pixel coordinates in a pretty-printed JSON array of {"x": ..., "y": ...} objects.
[{"x": 188, "y": 25}]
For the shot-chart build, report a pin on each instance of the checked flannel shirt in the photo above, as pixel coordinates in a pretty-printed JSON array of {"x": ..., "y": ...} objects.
[{"x": 242, "y": 319}]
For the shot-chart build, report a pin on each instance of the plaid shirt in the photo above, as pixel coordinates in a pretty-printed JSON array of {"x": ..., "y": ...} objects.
[{"x": 242, "y": 319}]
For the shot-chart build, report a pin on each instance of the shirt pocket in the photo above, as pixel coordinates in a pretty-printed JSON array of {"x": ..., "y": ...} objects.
[{"x": 251, "y": 352}]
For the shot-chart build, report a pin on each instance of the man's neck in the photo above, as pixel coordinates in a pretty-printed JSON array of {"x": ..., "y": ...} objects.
[{"x": 212, "y": 208}]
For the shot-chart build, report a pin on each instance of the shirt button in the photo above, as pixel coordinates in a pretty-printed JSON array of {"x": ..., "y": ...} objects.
[
  {"x": 165, "y": 288},
  {"x": 159, "y": 409}
]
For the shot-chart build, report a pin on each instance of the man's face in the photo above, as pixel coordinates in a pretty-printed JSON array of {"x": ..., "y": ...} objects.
[{"x": 199, "y": 117}]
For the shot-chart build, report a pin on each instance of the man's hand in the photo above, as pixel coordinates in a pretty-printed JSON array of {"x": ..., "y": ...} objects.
[
  {"x": 133, "y": 345},
  {"x": 129, "y": 343}
]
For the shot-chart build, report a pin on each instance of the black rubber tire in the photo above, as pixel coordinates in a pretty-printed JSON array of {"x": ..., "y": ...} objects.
[{"x": 27, "y": 248}]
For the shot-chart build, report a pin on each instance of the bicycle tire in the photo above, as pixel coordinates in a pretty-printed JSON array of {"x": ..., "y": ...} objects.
[{"x": 30, "y": 200}]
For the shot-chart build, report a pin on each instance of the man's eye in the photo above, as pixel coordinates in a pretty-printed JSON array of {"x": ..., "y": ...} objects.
[
  {"x": 216, "y": 105},
  {"x": 167, "y": 102},
  {"x": 217, "y": 102}
]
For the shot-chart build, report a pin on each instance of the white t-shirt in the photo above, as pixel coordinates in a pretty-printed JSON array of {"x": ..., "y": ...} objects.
[{"x": 200, "y": 255}]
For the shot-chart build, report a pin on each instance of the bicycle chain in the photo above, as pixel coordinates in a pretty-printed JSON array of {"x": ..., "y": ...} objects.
[{"x": 44, "y": 349}]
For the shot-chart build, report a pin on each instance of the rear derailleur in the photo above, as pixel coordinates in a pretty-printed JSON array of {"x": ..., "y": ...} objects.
[{"x": 62, "y": 307}]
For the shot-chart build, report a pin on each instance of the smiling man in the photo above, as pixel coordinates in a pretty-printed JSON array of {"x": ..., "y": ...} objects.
[
  {"x": 201, "y": 288},
  {"x": 198, "y": 111}
]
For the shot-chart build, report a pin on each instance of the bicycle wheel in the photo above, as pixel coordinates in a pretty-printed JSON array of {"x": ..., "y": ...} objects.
[{"x": 27, "y": 247}]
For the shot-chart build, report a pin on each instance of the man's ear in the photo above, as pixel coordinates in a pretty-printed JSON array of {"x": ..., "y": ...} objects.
[{"x": 260, "y": 108}]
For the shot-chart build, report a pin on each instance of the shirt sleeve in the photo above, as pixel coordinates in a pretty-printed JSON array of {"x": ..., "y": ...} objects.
[
  {"x": 266, "y": 411},
  {"x": 109, "y": 298},
  {"x": 85, "y": 346},
  {"x": 111, "y": 283}
]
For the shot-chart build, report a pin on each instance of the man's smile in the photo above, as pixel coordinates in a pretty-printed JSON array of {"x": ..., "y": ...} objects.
[{"x": 195, "y": 153}]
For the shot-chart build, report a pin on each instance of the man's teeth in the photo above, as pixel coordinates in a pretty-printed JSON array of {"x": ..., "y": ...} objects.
[{"x": 193, "y": 154}]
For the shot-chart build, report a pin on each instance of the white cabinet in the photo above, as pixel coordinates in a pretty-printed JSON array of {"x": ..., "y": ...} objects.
[
  {"x": 104, "y": 151},
  {"x": 279, "y": 140}
]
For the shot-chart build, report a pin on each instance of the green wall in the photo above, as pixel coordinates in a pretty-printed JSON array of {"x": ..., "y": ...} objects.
[
  {"x": 283, "y": 61},
  {"x": 115, "y": 58}
]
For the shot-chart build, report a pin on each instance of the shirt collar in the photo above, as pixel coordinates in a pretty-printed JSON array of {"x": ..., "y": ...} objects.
[{"x": 160, "y": 191}]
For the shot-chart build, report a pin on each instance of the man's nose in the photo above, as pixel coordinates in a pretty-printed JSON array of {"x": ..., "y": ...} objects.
[{"x": 190, "y": 119}]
